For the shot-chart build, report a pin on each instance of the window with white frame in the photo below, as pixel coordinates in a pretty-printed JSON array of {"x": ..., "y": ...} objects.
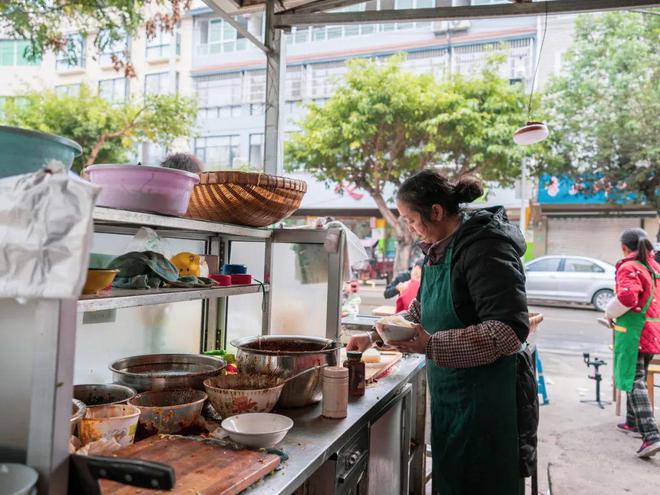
[
  {"x": 256, "y": 86},
  {"x": 73, "y": 54},
  {"x": 488, "y": 2},
  {"x": 158, "y": 46},
  {"x": 13, "y": 53},
  {"x": 324, "y": 78},
  {"x": 112, "y": 48},
  {"x": 256, "y": 150},
  {"x": 68, "y": 90},
  {"x": 218, "y": 152},
  {"x": 223, "y": 37},
  {"x": 114, "y": 91},
  {"x": 160, "y": 84},
  {"x": 219, "y": 94},
  {"x": 294, "y": 83}
]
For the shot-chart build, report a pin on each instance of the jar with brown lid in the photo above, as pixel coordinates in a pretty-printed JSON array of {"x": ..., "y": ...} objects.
[{"x": 356, "y": 373}]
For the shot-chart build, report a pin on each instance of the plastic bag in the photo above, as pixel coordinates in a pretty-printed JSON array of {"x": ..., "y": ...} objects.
[{"x": 147, "y": 239}]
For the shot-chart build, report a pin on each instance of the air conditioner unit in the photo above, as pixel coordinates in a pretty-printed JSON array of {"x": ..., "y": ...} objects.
[{"x": 451, "y": 26}]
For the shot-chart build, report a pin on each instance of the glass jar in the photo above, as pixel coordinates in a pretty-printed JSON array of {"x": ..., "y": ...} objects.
[{"x": 356, "y": 373}]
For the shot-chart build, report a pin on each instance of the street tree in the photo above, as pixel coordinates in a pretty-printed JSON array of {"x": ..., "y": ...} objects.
[
  {"x": 106, "y": 132},
  {"x": 45, "y": 24},
  {"x": 604, "y": 109},
  {"x": 384, "y": 124}
]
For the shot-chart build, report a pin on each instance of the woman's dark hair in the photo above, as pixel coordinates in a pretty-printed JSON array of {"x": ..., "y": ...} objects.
[
  {"x": 637, "y": 240},
  {"x": 428, "y": 188},
  {"x": 183, "y": 161}
]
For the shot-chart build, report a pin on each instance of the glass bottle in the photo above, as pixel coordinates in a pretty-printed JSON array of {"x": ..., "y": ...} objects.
[{"x": 356, "y": 373}]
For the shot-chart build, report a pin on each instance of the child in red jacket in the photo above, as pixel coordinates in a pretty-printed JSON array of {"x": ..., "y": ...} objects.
[{"x": 636, "y": 309}]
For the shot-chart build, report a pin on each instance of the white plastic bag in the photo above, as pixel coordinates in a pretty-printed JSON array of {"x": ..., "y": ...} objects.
[
  {"x": 147, "y": 239},
  {"x": 46, "y": 231}
]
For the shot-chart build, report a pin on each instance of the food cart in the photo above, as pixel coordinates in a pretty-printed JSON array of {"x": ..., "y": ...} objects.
[{"x": 49, "y": 344}]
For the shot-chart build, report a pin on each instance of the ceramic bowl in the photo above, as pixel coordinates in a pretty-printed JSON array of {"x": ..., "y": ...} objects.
[
  {"x": 394, "y": 328},
  {"x": 257, "y": 430},
  {"x": 110, "y": 421},
  {"x": 98, "y": 280},
  {"x": 238, "y": 394}
]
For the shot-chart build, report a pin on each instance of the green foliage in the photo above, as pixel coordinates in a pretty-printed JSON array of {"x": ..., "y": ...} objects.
[
  {"x": 384, "y": 124},
  {"x": 107, "y": 133},
  {"x": 604, "y": 111},
  {"x": 44, "y": 22}
]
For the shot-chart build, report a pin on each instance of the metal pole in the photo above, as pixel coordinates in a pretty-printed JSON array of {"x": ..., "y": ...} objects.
[
  {"x": 52, "y": 389},
  {"x": 275, "y": 70},
  {"x": 523, "y": 192}
]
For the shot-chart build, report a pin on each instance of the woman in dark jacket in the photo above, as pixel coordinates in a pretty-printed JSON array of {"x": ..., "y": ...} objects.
[{"x": 472, "y": 320}]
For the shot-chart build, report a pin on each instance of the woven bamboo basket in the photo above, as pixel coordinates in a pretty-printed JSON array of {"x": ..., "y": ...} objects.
[
  {"x": 245, "y": 198},
  {"x": 535, "y": 320}
]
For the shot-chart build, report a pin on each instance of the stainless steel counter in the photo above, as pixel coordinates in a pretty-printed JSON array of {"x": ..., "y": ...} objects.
[{"x": 314, "y": 438}]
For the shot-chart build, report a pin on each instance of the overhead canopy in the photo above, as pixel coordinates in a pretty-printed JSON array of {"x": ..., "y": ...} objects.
[{"x": 307, "y": 12}]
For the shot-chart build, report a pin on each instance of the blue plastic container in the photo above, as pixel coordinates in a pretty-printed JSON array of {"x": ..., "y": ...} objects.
[
  {"x": 25, "y": 151},
  {"x": 229, "y": 269}
]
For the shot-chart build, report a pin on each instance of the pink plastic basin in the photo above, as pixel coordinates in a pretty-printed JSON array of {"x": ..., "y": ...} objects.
[{"x": 139, "y": 188}]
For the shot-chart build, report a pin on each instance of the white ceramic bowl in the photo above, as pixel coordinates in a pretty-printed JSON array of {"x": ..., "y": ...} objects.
[
  {"x": 257, "y": 430},
  {"x": 393, "y": 328}
]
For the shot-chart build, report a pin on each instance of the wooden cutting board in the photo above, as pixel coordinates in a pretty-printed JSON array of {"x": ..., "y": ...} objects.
[
  {"x": 387, "y": 360},
  {"x": 200, "y": 468}
]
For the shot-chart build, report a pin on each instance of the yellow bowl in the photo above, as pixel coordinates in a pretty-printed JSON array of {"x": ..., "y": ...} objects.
[{"x": 98, "y": 280}]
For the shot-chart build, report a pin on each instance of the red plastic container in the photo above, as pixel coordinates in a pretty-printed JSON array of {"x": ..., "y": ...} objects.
[
  {"x": 241, "y": 279},
  {"x": 223, "y": 280}
]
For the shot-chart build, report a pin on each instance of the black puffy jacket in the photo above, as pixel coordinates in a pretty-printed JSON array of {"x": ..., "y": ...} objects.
[{"x": 488, "y": 283}]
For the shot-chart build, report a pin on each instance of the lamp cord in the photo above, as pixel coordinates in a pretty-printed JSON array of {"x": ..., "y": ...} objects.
[{"x": 538, "y": 63}]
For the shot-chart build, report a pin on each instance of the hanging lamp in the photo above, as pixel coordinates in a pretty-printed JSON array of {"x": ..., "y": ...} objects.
[{"x": 533, "y": 132}]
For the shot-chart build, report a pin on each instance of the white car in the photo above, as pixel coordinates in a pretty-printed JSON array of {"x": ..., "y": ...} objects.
[{"x": 574, "y": 279}]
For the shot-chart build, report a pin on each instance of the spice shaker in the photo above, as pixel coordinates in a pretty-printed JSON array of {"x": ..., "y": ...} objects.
[
  {"x": 335, "y": 392},
  {"x": 356, "y": 373}
]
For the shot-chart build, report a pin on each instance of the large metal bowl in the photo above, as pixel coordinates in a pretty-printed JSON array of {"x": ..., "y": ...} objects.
[
  {"x": 284, "y": 356},
  {"x": 166, "y": 371},
  {"x": 100, "y": 394}
]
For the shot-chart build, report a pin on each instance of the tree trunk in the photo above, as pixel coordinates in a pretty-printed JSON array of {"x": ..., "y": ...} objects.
[{"x": 404, "y": 238}]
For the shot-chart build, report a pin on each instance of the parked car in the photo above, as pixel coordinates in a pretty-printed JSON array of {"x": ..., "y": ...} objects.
[{"x": 575, "y": 279}]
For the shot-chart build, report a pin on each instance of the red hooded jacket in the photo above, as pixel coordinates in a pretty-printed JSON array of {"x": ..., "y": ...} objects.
[{"x": 633, "y": 287}]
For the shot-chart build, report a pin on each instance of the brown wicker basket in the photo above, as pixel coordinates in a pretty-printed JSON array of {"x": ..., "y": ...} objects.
[{"x": 245, "y": 198}]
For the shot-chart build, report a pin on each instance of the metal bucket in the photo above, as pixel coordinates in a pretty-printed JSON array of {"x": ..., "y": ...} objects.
[
  {"x": 103, "y": 393},
  {"x": 284, "y": 356},
  {"x": 166, "y": 371}
]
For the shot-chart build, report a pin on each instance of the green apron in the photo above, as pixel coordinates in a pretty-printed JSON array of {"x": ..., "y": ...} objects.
[
  {"x": 474, "y": 434},
  {"x": 627, "y": 331}
]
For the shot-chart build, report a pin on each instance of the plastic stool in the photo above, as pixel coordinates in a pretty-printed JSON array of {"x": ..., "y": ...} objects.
[{"x": 541, "y": 380}]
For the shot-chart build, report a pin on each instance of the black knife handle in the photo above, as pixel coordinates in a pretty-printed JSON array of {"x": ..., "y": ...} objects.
[{"x": 133, "y": 472}]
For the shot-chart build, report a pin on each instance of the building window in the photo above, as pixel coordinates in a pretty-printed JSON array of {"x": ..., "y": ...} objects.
[
  {"x": 256, "y": 150},
  {"x": 218, "y": 36},
  {"x": 294, "y": 83},
  {"x": 13, "y": 52},
  {"x": 219, "y": 95},
  {"x": 114, "y": 91},
  {"x": 218, "y": 152},
  {"x": 488, "y": 2},
  {"x": 117, "y": 49},
  {"x": 68, "y": 90},
  {"x": 160, "y": 84},
  {"x": 159, "y": 45},
  {"x": 73, "y": 54},
  {"x": 256, "y": 86},
  {"x": 325, "y": 78},
  {"x": 257, "y": 108}
]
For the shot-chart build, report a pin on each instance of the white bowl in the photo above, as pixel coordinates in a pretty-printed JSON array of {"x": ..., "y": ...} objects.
[
  {"x": 257, "y": 430},
  {"x": 394, "y": 328}
]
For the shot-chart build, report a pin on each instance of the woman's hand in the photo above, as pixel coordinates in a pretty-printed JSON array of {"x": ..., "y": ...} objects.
[
  {"x": 417, "y": 344},
  {"x": 359, "y": 342}
]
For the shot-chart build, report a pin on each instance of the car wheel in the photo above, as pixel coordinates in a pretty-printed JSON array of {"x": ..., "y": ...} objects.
[{"x": 602, "y": 298}]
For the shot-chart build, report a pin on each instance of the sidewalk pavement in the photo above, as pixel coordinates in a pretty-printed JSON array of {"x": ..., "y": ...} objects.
[{"x": 578, "y": 444}]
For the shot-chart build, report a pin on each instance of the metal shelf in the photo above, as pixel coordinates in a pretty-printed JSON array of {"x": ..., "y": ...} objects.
[
  {"x": 112, "y": 217},
  {"x": 127, "y": 298}
]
